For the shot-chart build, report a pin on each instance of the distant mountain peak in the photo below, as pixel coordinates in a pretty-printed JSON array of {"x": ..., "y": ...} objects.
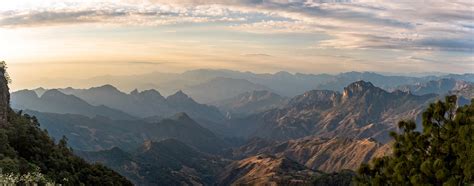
[
  {"x": 40, "y": 91},
  {"x": 361, "y": 84},
  {"x": 315, "y": 97},
  {"x": 283, "y": 74},
  {"x": 358, "y": 88},
  {"x": 134, "y": 92},
  {"x": 106, "y": 87},
  {"x": 27, "y": 92},
  {"x": 52, "y": 93},
  {"x": 180, "y": 95},
  {"x": 151, "y": 92}
]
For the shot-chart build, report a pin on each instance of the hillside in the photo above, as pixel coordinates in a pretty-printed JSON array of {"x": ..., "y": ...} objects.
[
  {"x": 167, "y": 162},
  {"x": 266, "y": 170},
  {"x": 99, "y": 133},
  {"x": 328, "y": 155},
  {"x": 25, "y": 149}
]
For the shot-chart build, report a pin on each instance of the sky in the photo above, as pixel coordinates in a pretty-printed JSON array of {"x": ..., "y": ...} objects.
[{"x": 44, "y": 39}]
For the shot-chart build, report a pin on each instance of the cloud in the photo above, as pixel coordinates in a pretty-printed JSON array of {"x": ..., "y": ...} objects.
[
  {"x": 443, "y": 25},
  {"x": 49, "y": 18},
  {"x": 257, "y": 55}
]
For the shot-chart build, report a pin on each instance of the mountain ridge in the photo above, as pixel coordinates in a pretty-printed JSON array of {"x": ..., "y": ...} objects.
[
  {"x": 361, "y": 111},
  {"x": 57, "y": 102}
]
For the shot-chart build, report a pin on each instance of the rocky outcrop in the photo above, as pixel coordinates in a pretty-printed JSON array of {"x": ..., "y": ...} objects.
[
  {"x": 328, "y": 155},
  {"x": 361, "y": 111},
  {"x": 4, "y": 95},
  {"x": 266, "y": 170}
]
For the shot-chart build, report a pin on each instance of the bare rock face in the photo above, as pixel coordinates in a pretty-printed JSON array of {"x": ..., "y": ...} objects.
[
  {"x": 4, "y": 96},
  {"x": 361, "y": 111},
  {"x": 266, "y": 170},
  {"x": 323, "y": 154}
]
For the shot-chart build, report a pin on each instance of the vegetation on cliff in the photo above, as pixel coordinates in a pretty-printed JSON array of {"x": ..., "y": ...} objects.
[
  {"x": 29, "y": 155},
  {"x": 442, "y": 154}
]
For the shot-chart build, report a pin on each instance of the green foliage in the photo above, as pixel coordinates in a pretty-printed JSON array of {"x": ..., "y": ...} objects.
[
  {"x": 29, "y": 153},
  {"x": 443, "y": 154},
  {"x": 3, "y": 70},
  {"x": 334, "y": 179}
]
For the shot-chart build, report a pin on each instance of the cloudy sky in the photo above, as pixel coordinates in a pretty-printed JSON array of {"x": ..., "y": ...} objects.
[{"x": 70, "y": 38}]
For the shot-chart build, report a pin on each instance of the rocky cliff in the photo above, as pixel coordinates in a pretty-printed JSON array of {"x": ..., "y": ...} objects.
[
  {"x": 4, "y": 96},
  {"x": 361, "y": 111},
  {"x": 323, "y": 154}
]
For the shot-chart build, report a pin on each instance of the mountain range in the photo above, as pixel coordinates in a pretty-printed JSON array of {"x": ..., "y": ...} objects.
[
  {"x": 290, "y": 163},
  {"x": 221, "y": 88},
  {"x": 283, "y": 83},
  {"x": 54, "y": 101},
  {"x": 108, "y": 101},
  {"x": 146, "y": 103},
  {"x": 100, "y": 133},
  {"x": 167, "y": 162},
  {"x": 361, "y": 111},
  {"x": 252, "y": 130},
  {"x": 441, "y": 87},
  {"x": 250, "y": 103}
]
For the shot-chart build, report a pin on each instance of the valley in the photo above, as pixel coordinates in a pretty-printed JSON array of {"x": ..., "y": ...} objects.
[{"x": 252, "y": 138}]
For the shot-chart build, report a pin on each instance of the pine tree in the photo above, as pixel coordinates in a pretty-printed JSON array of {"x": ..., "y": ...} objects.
[{"x": 442, "y": 154}]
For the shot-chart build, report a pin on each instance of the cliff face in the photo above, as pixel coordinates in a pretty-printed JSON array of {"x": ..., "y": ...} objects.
[
  {"x": 4, "y": 97},
  {"x": 324, "y": 154},
  {"x": 266, "y": 170},
  {"x": 361, "y": 111}
]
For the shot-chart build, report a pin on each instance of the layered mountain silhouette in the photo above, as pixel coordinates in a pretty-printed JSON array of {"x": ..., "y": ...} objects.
[
  {"x": 54, "y": 101},
  {"x": 361, "y": 111},
  {"x": 221, "y": 88},
  {"x": 146, "y": 103},
  {"x": 283, "y": 83},
  {"x": 441, "y": 87},
  {"x": 154, "y": 139},
  {"x": 166, "y": 162},
  {"x": 250, "y": 103},
  {"x": 99, "y": 133},
  {"x": 110, "y": 102}
]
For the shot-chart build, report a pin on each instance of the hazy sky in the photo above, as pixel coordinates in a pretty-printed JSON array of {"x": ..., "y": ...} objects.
[{"x": 84, "y": 38}]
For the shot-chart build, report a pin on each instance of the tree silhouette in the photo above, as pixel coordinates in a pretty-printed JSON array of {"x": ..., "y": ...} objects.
[{"x": 443, "y": 154}]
